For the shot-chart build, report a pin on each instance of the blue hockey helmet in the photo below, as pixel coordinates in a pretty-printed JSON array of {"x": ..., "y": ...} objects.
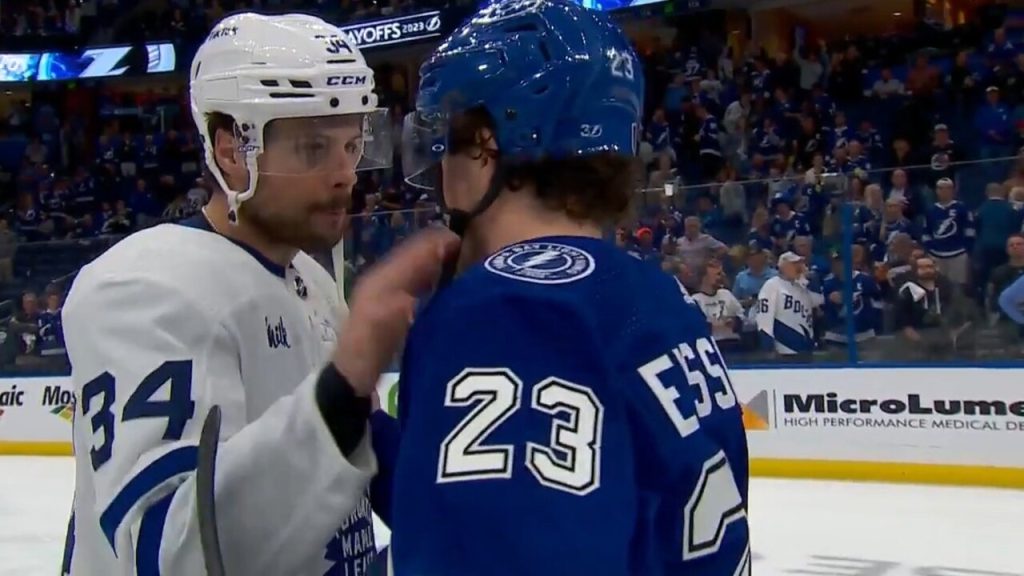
[{"x": 558, "y": 80}]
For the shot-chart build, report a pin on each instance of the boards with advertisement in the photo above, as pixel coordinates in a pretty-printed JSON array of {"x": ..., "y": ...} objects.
[
  {"x": 35, "y": 416},
  {"x": 949, "y": 425}
]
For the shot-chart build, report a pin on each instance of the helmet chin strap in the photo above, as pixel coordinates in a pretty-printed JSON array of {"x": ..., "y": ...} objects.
[{"x": 458, "y": 221}]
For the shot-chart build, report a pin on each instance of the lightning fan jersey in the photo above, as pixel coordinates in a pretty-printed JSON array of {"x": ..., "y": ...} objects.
[
  {"x": 949, "y": 229},
  {"x": 785, "y": 316},
  {"x": 565, "y": 412},
  {"x": 164, "y": 325},
  {"x": 866, "y": 308},
  {"x": 722, "y": 308}
]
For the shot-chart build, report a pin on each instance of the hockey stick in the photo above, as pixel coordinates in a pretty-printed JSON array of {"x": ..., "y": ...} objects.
[{"x": 206, "y": 509}]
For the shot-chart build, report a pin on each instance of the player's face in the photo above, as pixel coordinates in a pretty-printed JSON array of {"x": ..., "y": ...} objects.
[{"x": 307, "y": 172}]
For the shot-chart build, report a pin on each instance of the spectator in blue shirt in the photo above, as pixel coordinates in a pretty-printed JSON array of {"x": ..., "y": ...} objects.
[
  {"x": 1001, "y": 50},
  {"x": 749, "y": 281},
  {"x": 992, "y": 123}
]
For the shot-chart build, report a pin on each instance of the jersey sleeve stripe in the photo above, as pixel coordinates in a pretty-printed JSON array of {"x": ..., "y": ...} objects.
[
  {"x": 175, "y": 462},
  {"x": 151, "y": 534}
]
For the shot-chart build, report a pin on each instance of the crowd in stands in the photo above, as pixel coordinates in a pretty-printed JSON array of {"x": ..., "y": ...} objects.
[
  {"x": 748, "y": 159},
  {"x": 901, "y": 165}
]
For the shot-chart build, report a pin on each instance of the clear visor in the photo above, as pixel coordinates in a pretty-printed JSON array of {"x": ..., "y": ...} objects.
[
  {"x": 424, "y": 142},
  {"x": 323, "y": 144}
]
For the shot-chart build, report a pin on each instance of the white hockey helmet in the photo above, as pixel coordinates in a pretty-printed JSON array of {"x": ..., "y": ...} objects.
[{"x": 258, "y": 69}]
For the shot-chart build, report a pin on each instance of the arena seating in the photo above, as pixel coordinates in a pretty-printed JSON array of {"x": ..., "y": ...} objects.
[{"x": 73, "y": 181}]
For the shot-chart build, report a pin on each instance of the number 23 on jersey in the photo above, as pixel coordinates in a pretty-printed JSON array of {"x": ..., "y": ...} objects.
[{"x": 571, "y": 461}]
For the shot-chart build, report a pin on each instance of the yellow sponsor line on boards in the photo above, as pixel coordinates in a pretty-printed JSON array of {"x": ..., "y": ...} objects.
[
  {"x": 891, "y": 472},
  {"x": 35, "y": 448}
]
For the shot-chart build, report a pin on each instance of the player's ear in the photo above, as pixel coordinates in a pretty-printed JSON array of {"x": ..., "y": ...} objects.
[
  {"x": 487, "y": 144},
  {"x": 229, "y": 159}
]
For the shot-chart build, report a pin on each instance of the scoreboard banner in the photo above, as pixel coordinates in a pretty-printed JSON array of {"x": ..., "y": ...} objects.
[
  {"x": 392, "y": 31},
  {"x": 99, "y": 62}
]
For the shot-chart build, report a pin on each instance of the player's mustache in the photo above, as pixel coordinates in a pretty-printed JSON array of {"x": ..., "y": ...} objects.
[{"x": 340, "y": 203}]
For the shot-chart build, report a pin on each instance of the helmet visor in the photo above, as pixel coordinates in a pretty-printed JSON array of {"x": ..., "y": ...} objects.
[
  {"x": 322, "y": 144},
  {"x": 424, "y": 142}
]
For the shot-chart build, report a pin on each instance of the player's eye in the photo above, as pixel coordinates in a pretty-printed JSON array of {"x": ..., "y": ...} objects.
[
  {"x": 354, "y": 147},
  {"x": 312, "y": 151}
]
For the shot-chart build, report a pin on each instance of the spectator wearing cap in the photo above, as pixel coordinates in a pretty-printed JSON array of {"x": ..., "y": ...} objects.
[
  {"x": 949, "y": 233},
  {"x": 992, "y": 123},
  {"x": 943, "y": 154},
  {"x": 644, "y": 248},
  {"x": 785, "y": 311},
  {"x": 749, "y": 281},
  {"x": 694, "y": 248},
  {"x": 996, "y": 221}
]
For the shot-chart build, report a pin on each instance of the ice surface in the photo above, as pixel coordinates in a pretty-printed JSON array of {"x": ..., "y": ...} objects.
[{"x": 799, "y": 527}]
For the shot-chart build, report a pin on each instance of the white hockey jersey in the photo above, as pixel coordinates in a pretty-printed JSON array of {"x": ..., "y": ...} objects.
[
  {"x": 785, "y": 316},
  {"x": 720, "y": 309},
  {"x": 167, "y": 323}
]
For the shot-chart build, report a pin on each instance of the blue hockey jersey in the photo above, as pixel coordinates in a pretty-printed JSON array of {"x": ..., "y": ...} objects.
[
  {"x": 707, "y": 137},
  {"x": 785, "y": 230},
  {"x": 564, "y": 411},
  {"x": 865, "y": 313},
  {"x": 949, "y": 229}
]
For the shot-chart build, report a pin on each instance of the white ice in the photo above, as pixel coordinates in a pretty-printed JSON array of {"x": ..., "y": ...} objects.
[{"x": 799, "y": 527}]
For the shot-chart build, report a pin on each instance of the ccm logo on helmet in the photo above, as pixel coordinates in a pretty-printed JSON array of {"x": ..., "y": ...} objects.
[{"x": 348, "y": 80}]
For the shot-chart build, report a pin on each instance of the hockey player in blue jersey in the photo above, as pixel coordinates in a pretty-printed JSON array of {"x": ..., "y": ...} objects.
[{"x": 564, "y": 410}]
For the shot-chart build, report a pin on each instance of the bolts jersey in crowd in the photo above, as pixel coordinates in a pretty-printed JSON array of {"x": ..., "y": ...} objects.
[
  {"x": 785, "y": 316},
  {"x": 564, "y": 411}
]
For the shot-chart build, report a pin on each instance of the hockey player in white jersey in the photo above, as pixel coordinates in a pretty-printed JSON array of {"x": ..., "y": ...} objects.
[
  {"x": 785, "y": 310},
  {"x": 228, "y": 309}
]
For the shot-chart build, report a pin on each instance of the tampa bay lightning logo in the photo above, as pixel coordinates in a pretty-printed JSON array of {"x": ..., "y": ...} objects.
[
  {"x": 541, "y": 263},
  {"x": 947, "y": 227}
]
